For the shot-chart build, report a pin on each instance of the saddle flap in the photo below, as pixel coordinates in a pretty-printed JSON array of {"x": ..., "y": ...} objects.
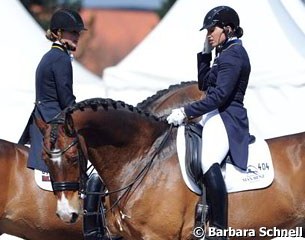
[{"x": 193, "y": 145}]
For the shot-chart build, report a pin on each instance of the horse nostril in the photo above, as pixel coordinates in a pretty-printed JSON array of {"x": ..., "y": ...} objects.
[{"x": 74, "y": 217}]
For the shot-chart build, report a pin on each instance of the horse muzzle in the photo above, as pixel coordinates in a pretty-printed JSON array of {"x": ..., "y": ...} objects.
[{"x": 68, "y": 210}]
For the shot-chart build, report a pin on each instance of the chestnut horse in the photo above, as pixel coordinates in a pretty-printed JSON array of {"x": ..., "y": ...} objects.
[
  {"x": 26, "y": 211},
  {"x": 135, "y": 154}
]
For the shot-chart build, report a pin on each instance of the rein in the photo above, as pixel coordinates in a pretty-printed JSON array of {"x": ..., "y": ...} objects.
[{"x": 140, "y": 175}]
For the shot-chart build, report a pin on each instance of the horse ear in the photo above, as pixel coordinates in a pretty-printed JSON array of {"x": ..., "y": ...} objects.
[
  {"x": 69, "y": 125},
  {"x": 41, "y": 124}
]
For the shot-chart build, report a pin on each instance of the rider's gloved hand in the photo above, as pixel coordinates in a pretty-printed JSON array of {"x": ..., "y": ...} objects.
[
  {"x": 207, "y": 47},
  {"x": 176, "y": 117}
]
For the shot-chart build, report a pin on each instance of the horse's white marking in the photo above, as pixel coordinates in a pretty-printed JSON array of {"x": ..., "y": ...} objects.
[
  {"x": 56, "y": 156},
  {"x": 64, "y": 209}
]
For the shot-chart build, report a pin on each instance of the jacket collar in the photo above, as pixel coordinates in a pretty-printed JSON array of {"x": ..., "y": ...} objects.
[
  {"x": 60, "y": 47},
  {"x": 228, "y": 44}
]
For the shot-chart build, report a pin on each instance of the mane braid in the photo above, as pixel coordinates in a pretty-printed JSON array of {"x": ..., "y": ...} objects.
[
  {"x": 106, "y": 103},
  {"x": 162, "y": 92}
]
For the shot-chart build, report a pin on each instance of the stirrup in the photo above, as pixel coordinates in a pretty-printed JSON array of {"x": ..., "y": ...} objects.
[{"x": 201, "y": 215}]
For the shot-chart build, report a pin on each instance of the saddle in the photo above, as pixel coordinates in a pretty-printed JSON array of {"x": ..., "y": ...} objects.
[
  {"x": 193, "y": 147},
  {"x": 193, "y": 151}
]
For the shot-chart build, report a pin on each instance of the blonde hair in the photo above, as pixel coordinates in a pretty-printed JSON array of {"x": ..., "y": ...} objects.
[{"x": 51, "y": 35}]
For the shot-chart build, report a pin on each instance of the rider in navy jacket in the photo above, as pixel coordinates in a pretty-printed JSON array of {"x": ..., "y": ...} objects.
[
  {"x": 225, "y": 85},
  {"x": 223, "y": 115},
  {"x": 54, "y": 80},
  {"x": 54, "y": 93}
]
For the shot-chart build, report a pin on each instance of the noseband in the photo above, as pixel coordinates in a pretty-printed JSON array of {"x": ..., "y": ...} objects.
[{"x": 57, "y": 154}]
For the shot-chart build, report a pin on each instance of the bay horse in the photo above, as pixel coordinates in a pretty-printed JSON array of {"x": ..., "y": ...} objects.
[
  {"x": 175, "y": 96},
  {"x": 26, "y": 211},
  {"x": 135, "y": 154}
]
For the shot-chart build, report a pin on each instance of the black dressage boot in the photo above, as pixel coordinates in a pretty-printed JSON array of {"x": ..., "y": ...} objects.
[
  {"x": 92, "y": 226},
  {"x": 217, "y": 199}
]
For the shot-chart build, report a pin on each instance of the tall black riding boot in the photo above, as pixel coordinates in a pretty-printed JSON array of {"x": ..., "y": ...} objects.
[
  {"x": 92, "y": 228},
  {"x": 217, "y": 199}
]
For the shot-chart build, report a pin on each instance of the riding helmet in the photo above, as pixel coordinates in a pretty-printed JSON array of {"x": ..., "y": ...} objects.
[
  {"x": 221, "y": 16},
  {"x": 68, "y": 20}
]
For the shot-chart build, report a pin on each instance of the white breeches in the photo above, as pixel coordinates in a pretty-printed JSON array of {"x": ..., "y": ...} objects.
[{"x": 215, "y": 142}]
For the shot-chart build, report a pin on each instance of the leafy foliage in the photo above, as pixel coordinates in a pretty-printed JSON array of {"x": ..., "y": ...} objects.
[{"x": 167, "y": 4}]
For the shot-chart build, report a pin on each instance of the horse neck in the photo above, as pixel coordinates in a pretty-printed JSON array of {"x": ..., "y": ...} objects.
[
  {"x": 176, "y": 96},
  {"x": 116, "y": 139}
]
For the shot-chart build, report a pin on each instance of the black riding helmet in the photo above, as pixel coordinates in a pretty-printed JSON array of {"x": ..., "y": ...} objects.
[
  {"x": 68, "y": 20},
  {"x": 221, "y": 16}
]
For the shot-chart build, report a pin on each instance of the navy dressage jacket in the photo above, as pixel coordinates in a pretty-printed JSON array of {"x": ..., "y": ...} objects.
[
  {"x": 225, "y": 84},
  {"x": 54, "y": 92}
]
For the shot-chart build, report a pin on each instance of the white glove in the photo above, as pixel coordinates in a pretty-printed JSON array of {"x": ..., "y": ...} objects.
[
  {"x": 176, "y": 117},
  {"x": 207, "y": 47}
]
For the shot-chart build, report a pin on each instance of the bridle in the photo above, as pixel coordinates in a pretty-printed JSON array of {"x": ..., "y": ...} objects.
[{"x": 55, "y": 153}]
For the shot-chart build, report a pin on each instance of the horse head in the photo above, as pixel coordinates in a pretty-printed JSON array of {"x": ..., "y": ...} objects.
[
  {"x": 65, "y": 155},
  {"x": 122, "y": 143}
]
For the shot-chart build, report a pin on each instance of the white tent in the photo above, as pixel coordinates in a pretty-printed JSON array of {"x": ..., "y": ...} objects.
[
  {"x": 22, "y": 46},
  {"x": 273, "y": 36}
]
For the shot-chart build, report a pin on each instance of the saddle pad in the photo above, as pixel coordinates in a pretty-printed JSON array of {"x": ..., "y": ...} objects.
[
  {"x": 259, "y": 173},
  {"x": 42, "y": 179}
]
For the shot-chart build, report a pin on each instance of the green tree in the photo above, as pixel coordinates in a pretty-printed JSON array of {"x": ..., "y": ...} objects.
[{"x": 167, "y": 4}]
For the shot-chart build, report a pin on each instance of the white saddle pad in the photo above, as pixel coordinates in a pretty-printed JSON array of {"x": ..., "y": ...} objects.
[
  {"x": 42, "y": 180},
  {"x": 259, "y": 173}
]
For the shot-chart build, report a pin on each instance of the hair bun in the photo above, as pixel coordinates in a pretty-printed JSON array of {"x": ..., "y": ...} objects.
[
  {"x": 50, "y": 35},
  {"x": 239, "y": 32}
]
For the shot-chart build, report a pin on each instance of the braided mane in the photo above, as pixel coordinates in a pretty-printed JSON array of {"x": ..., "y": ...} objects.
[
  {"x": 106, "y": 103},
  {"x": 160, "y": 93}
]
